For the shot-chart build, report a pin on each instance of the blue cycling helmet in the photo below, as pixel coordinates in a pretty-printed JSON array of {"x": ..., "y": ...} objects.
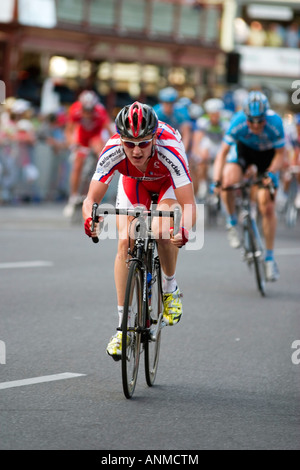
[
  {"x": 168, "y": 95},
  {"x": 184, "y": 102},
  {"x": 256, "y": 105}
]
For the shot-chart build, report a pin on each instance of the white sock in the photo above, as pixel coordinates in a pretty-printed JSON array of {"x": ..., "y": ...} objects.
[
  {"x": 120, "y": 313},
  {"x": 169, "y": 283}
]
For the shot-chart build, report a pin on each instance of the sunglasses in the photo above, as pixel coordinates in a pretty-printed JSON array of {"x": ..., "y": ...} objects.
[
  {"x": 256, "y": 120},
  {"x": 142, "y": 144}
]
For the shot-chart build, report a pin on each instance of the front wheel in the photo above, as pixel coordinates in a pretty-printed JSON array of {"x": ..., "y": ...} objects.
[
  {"x": 155, "y": 308},
  {"x": 132, "y": 325},
  {"x": 257, "y": 251}
]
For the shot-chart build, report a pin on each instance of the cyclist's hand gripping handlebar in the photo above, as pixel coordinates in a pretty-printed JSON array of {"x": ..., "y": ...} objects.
[{"x": 271, "y": 184}]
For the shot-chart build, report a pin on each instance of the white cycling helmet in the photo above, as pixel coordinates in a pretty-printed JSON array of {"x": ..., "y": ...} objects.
[
  {"x": 213, "y": 105},
  {"x": 88, "y": 99},
  {"x": 195, "y": 110},
  {"x": 20, "y": 106}
]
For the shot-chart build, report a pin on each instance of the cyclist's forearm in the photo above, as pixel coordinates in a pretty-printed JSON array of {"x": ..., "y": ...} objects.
[
  {"x": 96, "y": 193},
  {"x": 220, "y": 162},
  {"x": 185, "y": 197},
  {"x": 189, "y": 216},
  {"x": 277, "y": 162}
]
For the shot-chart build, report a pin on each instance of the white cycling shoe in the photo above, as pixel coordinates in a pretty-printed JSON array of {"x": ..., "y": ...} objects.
[
  {"x": 271, "y": 271},
  {"x": 233, "y": 237}
]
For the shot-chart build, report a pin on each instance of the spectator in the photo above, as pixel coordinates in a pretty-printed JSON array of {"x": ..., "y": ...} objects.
[
  {"x": 292, "y": 37},
  {"x": 23, "y": 141},
  {"x": 273, "y": 36},
  {"x": 53, "y": 133},
  {"x": 257, "y": 35}
]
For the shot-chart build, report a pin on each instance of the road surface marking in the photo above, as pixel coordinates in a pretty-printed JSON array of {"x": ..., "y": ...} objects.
[
  {"x": 287, "y": 251},
  {"x": 25, "y": 264},
  {"x": 38, "y": 380}
]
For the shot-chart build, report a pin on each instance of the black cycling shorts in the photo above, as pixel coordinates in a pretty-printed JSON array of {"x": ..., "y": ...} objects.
[{"x": 247, "y": 156}]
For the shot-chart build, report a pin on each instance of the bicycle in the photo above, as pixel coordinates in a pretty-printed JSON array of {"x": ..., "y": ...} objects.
[
  {"x": 143, "y": 296},
  {"x": 253, "y": 251}
]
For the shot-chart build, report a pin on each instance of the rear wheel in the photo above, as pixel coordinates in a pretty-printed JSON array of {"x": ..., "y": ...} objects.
[
  {"x": 291, "y": 210},
  {"x": 132, "y": 325},
  {"x": 155, "y": 306},
  {"x": 291, "y": 214}
]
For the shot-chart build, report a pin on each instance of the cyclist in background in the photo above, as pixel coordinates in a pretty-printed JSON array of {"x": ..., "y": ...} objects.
[
  {"x": 255, "y": 137},
  {"x": 150, "y": 157},
  {"x": 207, "y": 139},
  {"x": 290, "y": 132},
  {"x": 296, "y": 157},
  {"x": 86, "y": 122},
  {"x": 173, "y": 113}
]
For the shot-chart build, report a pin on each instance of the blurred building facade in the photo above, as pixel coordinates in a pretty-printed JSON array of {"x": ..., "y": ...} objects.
[{"x": 121, "y": 47}]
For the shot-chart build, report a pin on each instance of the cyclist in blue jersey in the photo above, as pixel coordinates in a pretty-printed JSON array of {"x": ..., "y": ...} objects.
[
  {"x": 170, "y": 111},
  {"x": 255, "y": 140}
]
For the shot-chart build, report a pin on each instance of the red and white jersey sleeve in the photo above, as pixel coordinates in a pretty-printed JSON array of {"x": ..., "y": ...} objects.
[{"x": 110, "y": 160}]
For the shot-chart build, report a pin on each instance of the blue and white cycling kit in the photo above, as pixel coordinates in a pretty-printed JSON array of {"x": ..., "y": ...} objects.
[
  {"x": 176, "y": 119},
  {"x": 271, "y": 137},
  {"x": 259, "y": 149}
]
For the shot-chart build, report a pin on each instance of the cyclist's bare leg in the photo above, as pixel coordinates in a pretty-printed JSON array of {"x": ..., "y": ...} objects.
[
  {"x": 121, "y": 267},
  {"x": 202, "y": 173},
  {"x": 76, "y": 172},
  {"x": 232, "y": 174},
  {"x": 269, "y": 220}
]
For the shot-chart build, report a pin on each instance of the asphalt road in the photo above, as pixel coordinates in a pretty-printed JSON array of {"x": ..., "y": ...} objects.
[{"x": 228, "y": 377}]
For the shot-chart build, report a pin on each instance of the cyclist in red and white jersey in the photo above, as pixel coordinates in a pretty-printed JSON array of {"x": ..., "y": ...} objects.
[
  {"x": 151, "y": 159},
  {"x": 87, "y": 119}
]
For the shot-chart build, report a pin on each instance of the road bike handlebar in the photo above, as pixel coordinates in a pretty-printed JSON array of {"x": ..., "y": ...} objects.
[
  {"x": 136, "y": 212},
  {"x": 252, "y": 182}
]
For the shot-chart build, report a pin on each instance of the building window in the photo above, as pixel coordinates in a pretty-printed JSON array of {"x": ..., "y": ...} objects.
[
  {"x": 133, "y": 15},
  {"x": 70, "y": 11},
  {"x": 102, "y": 12},
  {"x": 162, "y": 19},
  {"x": 189, "y": 22}
]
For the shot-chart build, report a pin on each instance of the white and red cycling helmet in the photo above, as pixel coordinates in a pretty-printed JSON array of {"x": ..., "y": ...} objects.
[
  {"x": 136, "y": 120},
  {"x": 88, "y": 99}
]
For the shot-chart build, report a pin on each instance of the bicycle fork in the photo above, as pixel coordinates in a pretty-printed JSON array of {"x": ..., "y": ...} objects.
[{"x": 249, "y": 224}]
